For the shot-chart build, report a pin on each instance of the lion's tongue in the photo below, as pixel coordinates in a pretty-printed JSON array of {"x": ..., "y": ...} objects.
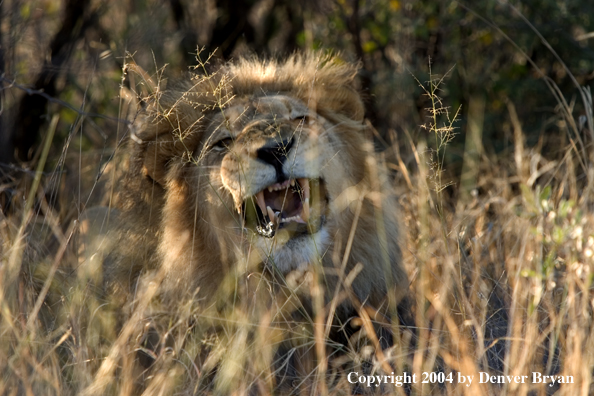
[{"x": 285, "y": 205}]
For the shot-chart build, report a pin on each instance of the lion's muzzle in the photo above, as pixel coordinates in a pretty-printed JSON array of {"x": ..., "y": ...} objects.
[
  {"x": 276, "y": 155},
  {"x": 297, "y": 205}
]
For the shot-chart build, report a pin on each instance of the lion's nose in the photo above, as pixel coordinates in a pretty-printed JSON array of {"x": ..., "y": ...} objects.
[{"x": 275, "y": 154}]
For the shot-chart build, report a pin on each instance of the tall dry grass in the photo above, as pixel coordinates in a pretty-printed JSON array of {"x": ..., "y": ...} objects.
[{"x": 501, "y": 273}]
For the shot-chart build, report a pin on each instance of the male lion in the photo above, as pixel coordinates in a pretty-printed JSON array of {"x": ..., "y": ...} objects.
[{"x": 261, "y": 167}]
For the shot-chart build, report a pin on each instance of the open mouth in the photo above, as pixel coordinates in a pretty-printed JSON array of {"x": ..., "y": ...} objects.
[{"x": 295, "y": 205}]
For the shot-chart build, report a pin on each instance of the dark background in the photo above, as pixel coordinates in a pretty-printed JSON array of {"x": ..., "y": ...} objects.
[{"x": 66, "y": 58}]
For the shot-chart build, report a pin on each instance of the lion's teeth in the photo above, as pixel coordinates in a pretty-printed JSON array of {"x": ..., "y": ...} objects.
[
  {"x": 260, "y": 201},
  {"x": 280, "y": 186},
  {"x": 305, "y": 211},
  {"x": 270, "y": 213},
  {"x": 304, "y": 183},
  {"x": 296, "y": 219}
]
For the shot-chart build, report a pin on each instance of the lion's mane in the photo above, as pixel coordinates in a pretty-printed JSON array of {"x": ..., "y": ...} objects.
[{"x": 179, "y": 212}]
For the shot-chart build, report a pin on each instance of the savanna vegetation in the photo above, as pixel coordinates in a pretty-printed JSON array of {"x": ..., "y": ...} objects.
[{"x": 482, "y": 112}]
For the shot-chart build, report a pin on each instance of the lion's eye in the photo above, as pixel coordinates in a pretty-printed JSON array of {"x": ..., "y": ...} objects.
[
  {"x": 223, "y": 144},
  {"x": 304, "y": 118}
]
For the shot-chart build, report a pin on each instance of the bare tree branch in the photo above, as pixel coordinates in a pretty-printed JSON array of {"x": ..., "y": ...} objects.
[
  {"x": 354, "y": 27},
  {"x": 32, "y": 108}
]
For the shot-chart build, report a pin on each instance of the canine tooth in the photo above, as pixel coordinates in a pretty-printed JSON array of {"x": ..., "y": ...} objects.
[
  {"x": 305, "y": 211},
  {"x": 270, "y": 213},
  {"x": 304, "y": 183},
  {"x": 269, "y": 188},
  {"x": 292, "y": 181},
  {"x": 260, "y": 201}
]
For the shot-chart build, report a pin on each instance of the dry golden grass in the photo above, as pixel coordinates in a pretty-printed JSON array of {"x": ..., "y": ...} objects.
[{"x": 501, "y": 279}]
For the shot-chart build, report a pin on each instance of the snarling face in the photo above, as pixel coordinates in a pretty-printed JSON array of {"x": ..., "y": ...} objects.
[
  {"x": 279, "y": 161},
  {"x": 263, "y": 163}
]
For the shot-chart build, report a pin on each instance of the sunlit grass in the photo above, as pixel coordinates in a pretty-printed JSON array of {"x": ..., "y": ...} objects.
[{"x": 501, "y": 284}]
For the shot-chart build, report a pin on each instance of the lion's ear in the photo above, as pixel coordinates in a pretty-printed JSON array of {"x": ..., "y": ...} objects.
[
  {"x": 334, "y": 89},
  {"x": 149, "y": 134},
  {"x": 141, "y": 82},
  {"x": 343, "y": 100},
  {"x": 154, "y": 146},
  {"x": 157, "y": 157},
  {"x": 166, "y": 130}
]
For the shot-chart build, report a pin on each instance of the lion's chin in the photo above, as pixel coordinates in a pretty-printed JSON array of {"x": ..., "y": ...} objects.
[
  {"x": 284, "y": 254},
  {"x": 294, "y": 206}
]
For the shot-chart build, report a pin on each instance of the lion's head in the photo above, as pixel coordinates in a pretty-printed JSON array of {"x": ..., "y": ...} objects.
[{"x": 263, "y": 165}]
